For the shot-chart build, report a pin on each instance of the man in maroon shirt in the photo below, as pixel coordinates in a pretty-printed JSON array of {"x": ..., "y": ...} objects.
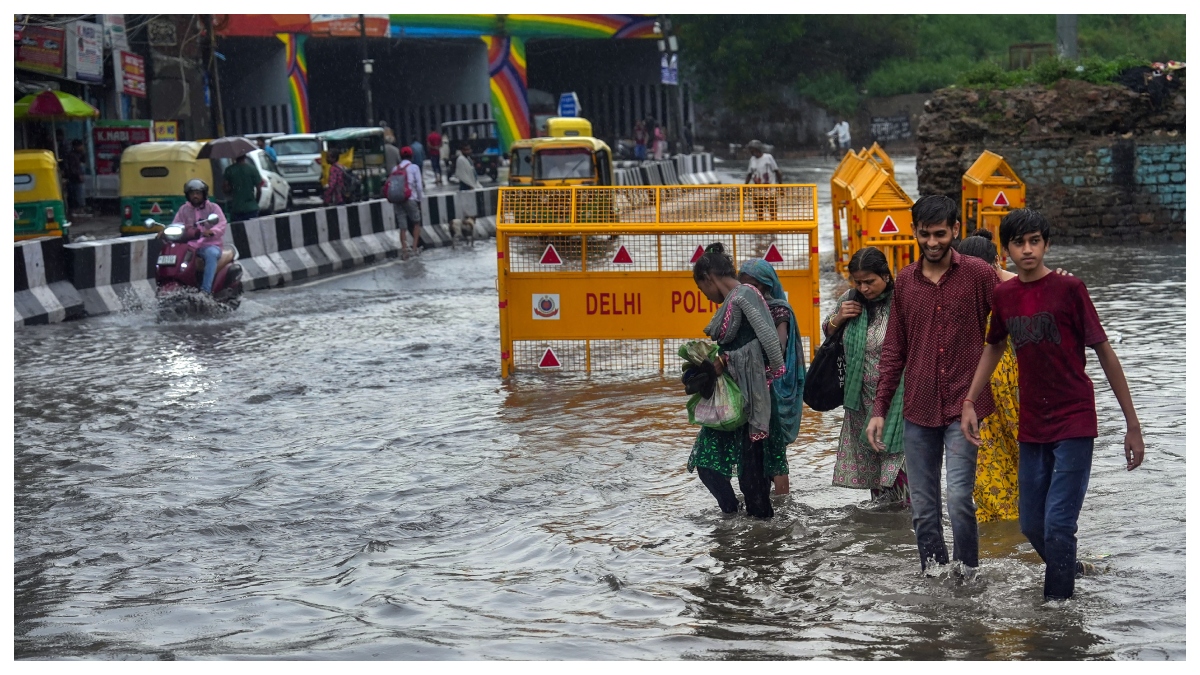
[
  {"x": 1050, "y": 318},
  {"x": 433, "y": 146},
  {"x": 934, "y": 338}
]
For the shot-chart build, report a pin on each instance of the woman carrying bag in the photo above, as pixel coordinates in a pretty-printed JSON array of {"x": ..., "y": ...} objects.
[
  {"x": 858, "y": 466},
  {"x": 749, "y": 351}
]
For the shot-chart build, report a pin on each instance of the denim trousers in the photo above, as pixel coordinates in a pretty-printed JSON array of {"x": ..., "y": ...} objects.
[
  {"x": 1052, "y": 479},
  {"x": 923, "y": 453},
  {"x": 211, "y": 255}
]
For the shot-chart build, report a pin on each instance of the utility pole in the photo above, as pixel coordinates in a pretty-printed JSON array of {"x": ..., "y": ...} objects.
[
  {"x": 218, "y": 121},
  {"x": 1067, "y": 26},
  {"x": 367, "y": 65},
  {"x": 668, "y": 48}
]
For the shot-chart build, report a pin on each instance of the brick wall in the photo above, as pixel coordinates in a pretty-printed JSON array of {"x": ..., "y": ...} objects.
[{"x": 1123, "y": 189}]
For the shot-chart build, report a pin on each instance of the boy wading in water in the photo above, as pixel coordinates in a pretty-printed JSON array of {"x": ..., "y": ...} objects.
[
  {"x": 1050, "y": 318},
  {"x": 934, "y": 338}
]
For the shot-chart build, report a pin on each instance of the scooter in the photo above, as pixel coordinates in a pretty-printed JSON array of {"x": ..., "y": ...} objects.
[{"x": 180, "y": 272}]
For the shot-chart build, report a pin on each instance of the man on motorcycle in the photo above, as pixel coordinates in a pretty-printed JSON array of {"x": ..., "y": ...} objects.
[{"x": 208, "y": 245}]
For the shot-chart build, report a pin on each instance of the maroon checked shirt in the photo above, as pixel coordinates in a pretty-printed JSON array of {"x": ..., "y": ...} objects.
[{"x": 935, "y": 337}]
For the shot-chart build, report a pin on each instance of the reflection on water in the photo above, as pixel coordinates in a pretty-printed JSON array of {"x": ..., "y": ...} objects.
[{"x": 337, "y": 471}]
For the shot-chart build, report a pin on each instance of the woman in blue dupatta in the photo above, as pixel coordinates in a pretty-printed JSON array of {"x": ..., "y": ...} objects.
[{"x": 787, "y": 391}]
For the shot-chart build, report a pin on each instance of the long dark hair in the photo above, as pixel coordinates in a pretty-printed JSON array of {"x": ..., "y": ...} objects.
[
  {"x": 714, "y": 263},
  {"x": 980, "y": 245},
  {"x": 871, "y": 259}
]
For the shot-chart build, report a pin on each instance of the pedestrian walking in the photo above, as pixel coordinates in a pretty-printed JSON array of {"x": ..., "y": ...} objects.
[
  {"x": 433, "y": 145},
  {"x": 996, "y": 488},
  {"x": 841, "y": 132},
  {"x": 749, "y": 351},
  {"x": 787, "y": 391},
  {"x": 391, "y": 154},
  {"x": 464, "y": 170},
  {"x": 639, "y": 141},
  {"x": 1050, "y": 319},
  {"x": 763, "y": 171},
  {"x": 864, "y": 311},
  {"x": 660, "y": 143},
  {"x": 410, "y": 207},
  {"x": 934, "y": 337},
  {"x": 418, "y": 157},
  {"x": 243, "y": 188},
  {"x": 262, "y": 145},
  {"x": 75, "y": 160},
  {"x": 335, "y": 186}
]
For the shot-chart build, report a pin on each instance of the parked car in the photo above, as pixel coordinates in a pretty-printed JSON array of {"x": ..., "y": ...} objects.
[
  {"x": 276, "y": 194},
  {"x": 299, "y": 162}
]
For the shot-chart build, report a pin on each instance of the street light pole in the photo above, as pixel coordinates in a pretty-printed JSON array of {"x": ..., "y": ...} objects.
[
  {"x": 367, "y": 68},
  {"x": 668, "y": 48}
]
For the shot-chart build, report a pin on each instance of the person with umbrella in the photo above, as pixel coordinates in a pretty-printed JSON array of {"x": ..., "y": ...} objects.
[{"x": 243, "y": 184}]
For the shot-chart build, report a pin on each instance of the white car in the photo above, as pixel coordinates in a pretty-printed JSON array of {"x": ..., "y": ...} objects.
[
  {"x": 298, "y": 156},
  {"x": 276, "y": 193}
]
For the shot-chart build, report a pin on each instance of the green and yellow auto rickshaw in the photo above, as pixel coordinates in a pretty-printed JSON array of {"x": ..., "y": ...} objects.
[
  {"x": 369, "y": 164},
  {"x": 39, "y": 209},
  {"x": 152, "y": 178}
]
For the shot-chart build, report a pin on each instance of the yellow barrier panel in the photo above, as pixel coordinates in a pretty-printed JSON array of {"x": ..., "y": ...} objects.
[
  {"x": 878, "y": 210},
  {"x": 990, "y": 189},
  {"x": 876, "y": 154},
  {"x": 599, "y": 278}
]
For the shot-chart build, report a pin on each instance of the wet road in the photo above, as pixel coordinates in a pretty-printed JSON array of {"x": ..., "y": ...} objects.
[{"x": 339, "y": 472}]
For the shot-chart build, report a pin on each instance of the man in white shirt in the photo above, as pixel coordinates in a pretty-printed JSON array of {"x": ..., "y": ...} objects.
[
  {"x": 841, "y": 131},
  {"x": 763, "y": 171},
  {"x": 464, "y": 170}
]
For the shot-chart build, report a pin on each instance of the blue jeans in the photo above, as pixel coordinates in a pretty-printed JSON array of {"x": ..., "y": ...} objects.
[
  {"x": 1052, "y": 479},
  {"x": 210, "y": 254},
  {"x": 923, "y": 463}
]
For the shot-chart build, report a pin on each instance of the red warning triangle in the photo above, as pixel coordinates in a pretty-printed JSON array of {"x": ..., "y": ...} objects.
[
  {"x": 155, "y": 208},
  {"x": 549, "y": 360},
  {"x": 550, "y": 256},
  {"x": 622, "y": 257},
  {"x": 889, "y": 226},
  {"x": 1001, "y": 200},
  {"x": 696, "y": 256},
  {"x": 773, "y": 255}
]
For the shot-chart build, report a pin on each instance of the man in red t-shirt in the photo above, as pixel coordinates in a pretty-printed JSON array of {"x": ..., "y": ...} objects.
[
  {"x": 433, "y": 146},
  {"x": 1050, "y": 319}
]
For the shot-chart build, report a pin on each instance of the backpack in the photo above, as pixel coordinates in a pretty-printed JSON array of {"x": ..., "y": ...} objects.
[
  {"x": 397, "y": 190},
  {"x": 351, "y": 187}
]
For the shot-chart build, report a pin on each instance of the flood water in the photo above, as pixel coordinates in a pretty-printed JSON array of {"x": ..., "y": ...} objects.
[{"x": 339, "y": 472}]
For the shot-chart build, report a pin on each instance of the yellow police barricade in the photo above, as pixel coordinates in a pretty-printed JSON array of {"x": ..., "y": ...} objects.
[
  {"x": 880, "y": 211},
  {"x": 990, "y": 189},
  {"x": 600, "y": 278},
  {"x": 876, "y": 154},
  {"x": 840, "y": 195}
]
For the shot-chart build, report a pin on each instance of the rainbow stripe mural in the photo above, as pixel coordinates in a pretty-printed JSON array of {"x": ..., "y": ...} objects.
[
  {"x": 510, "y": 96},
  {"x": 297, "y": 71},
  {"x": 524, "y": 25}
]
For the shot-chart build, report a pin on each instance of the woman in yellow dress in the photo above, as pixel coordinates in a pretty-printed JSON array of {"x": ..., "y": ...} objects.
[{"x": 996, "y": 470}]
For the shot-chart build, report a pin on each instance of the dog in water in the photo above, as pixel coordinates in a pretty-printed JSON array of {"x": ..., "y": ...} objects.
[{"x": 462, "y": 227}]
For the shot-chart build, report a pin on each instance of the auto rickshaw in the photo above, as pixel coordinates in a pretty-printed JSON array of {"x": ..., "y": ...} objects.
[
  {"x": 152, "y": 178},
  {"x": 39, "y": 210},
  {"x": 367, "y": 160},
  {"x": 581, "y": 160},
  {"x": 484, "y": 141},
  {"x": 560, "y": 127},
  {"x": 520, "y": 162}
]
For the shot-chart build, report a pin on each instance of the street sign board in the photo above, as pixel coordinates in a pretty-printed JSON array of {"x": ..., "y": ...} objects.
[{"x": 568, "y": 105}]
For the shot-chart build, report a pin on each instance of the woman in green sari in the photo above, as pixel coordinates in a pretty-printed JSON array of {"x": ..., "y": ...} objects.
[
  {"x": 748, "y": 350},
  {"x": 858, "y": 465},
  {"x": 786, "y": 392}
]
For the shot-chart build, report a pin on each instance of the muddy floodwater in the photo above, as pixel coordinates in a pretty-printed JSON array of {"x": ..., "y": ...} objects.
[{"x": 337, "y": 471}]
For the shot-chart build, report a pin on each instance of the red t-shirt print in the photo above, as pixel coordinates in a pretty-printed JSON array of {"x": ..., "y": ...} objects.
[{"x": 1051, "y": 321}]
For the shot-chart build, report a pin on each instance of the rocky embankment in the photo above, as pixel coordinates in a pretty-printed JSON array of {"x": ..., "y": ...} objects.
[{"x": 1099, "y": 160}]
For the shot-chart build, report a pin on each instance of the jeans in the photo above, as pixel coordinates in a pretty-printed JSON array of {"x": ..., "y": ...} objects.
[
  {"x": 210, "y": 254},
  {"x": 1052, "y": 479},
  {"x": 755, "y": 484},
  {"x": 923, "y": 460}
]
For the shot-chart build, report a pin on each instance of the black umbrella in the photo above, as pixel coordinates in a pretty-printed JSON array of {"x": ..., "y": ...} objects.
[{"x": 230, "y": 147}]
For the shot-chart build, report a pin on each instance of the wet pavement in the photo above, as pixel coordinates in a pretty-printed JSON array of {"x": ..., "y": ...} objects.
[{"x": 337, "y": 471}]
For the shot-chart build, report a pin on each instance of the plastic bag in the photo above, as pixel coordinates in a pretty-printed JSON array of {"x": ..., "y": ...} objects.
[
  {"x": 725, "y": 410},
  {"x": 696, "y": 352}
]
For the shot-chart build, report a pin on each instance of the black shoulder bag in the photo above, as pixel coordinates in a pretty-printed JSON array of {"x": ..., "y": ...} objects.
[{"x": 824, "y": 384}]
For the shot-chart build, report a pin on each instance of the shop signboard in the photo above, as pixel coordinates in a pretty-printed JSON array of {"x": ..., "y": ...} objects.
[
  {"x": 111, "y": 137},
  {"x": 114, "y": 32},
  {"x": 41, "y": 49},
  {"x": 85, "y": 52},
  {"x": 133, "y": 75}
]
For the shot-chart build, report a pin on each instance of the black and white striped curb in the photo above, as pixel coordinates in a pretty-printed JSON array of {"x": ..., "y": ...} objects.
[
  {"x": 43, "y": 292},
  {"x": 114, "y": 275}
]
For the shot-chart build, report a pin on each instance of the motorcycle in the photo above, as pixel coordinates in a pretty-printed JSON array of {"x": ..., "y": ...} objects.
[{"x": 180, "y": 272}]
